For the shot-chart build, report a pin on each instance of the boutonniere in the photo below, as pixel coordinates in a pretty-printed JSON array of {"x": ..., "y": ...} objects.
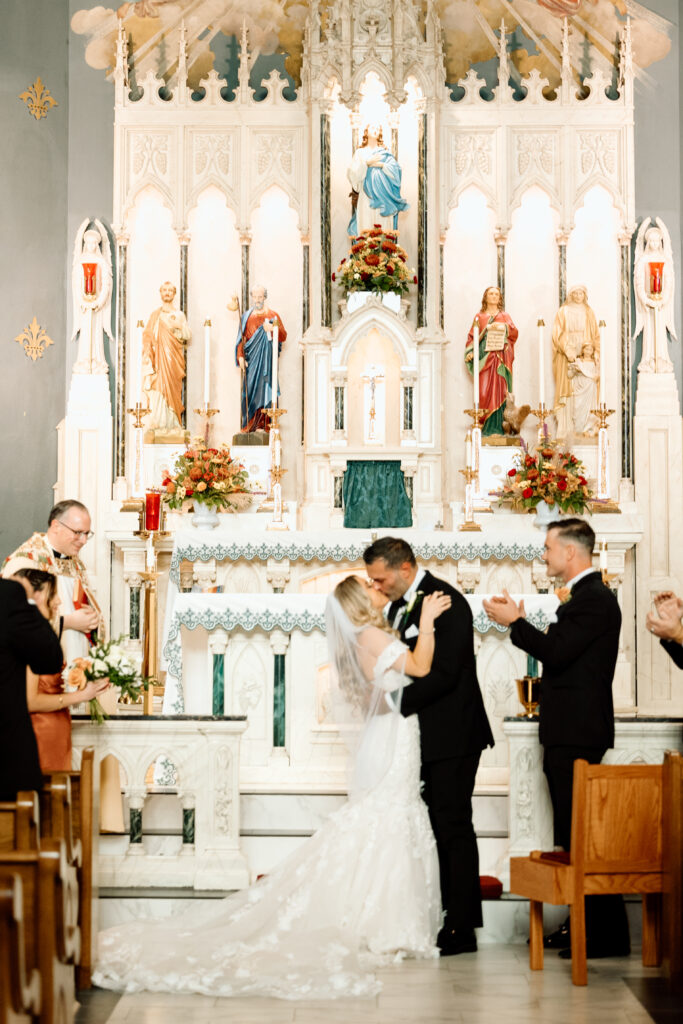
[
  {"x": 417, "y": 596},
  {"x": 563, "y": 594}
]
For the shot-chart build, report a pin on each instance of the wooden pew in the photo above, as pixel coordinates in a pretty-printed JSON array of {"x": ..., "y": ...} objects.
[
  {"x": 672, "y": 844},
  {"x": 616, "y": 847},
  {"x": 50, "y": 915},
  {"x": 20, "y": 823},
  {"x": 19, "y": 988},
  {"x": 82, "y": 819}
]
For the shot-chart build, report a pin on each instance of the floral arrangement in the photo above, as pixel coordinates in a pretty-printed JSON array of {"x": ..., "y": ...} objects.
[
  {"x": 375, "y": 263},
  {"x": 208, "y": 475},
  {"x": 105, "y": 659},
  {"x": 553, "y": 476}
]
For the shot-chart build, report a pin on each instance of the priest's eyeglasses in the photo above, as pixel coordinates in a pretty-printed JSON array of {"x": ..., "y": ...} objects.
[{"x": 85, "y": 534}]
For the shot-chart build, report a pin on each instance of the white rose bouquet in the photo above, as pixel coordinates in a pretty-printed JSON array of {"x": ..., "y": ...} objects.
[{"x": 106, "y": 660}]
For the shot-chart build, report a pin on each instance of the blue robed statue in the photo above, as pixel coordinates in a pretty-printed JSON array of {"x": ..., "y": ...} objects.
[
  {"x": 375, "y": 177},
  {"x": 254, "y": 356}
]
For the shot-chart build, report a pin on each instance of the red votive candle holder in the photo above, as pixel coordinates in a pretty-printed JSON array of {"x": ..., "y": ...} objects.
[
  {"x": 89, "y": 272},
  {"x": 152, "y": 510},
  {"x": 656, "y": 271}
]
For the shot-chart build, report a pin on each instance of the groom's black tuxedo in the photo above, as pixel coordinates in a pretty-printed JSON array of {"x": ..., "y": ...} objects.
[
  {"x": 579, "y": 655},
  {"x": 454, "y": 730}
]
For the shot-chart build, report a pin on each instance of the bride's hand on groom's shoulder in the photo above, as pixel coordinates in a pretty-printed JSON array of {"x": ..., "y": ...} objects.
[
  {"x": 433, "y": 606},
  {"x": 503, "y": 610}
]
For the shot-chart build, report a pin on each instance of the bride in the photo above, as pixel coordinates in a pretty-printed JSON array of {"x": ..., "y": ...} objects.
[{"x": 363, "y": 891}]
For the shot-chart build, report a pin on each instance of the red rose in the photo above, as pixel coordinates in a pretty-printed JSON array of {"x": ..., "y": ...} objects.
[
  {"x": 528, "y": 492},
  {"x": 334, "y": 277},
  {"x": 512, "y": 472},
  {"x": 582, "y": 480},
  {"x": 344, "y": 260},
  {"x": 390, "y": 268},
  {"x": 414, "y": 278},
  {"x": 529, "y": 460},
  {"x": 562, "y": 485}
]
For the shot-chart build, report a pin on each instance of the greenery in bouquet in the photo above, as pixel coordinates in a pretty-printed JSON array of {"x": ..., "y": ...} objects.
[
  {"x": 106, "y": 659},
  {"x": 210, "y": 476},
  {"x": 550, "y": 475},
  {"x": 375, "y": 263}
]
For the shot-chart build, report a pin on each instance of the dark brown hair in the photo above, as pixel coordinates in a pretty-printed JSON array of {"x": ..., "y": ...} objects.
[
  {"x": 501, "y": 304},
  {"x": 393, "y": 551},
  {"x": 576, "y": 530}
]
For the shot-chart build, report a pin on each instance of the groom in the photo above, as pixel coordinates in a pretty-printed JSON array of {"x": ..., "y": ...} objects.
[{"x": 454, "y": 729}]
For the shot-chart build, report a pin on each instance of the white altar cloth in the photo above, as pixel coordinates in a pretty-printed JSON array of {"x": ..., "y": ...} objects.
[{"x": 286, "y": 612}]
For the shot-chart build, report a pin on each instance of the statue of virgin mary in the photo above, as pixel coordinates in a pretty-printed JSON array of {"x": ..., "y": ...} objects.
[{"x": 375, "y": 177}]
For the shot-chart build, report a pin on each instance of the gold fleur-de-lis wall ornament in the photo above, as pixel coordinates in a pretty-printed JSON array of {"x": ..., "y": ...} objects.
[
  {"x": 34, "y": 339},
  {"x": 38, "y": 99}
]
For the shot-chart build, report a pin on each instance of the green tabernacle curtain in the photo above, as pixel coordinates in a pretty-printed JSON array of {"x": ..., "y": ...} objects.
[{"x": 375, "y": 495}]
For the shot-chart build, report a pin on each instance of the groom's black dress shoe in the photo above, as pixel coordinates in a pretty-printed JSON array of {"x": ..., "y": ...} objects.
[
  {"x": 454, "y": 941},
  {"x": 559, "y": 939},
  {"x": 599, "y": 952}
]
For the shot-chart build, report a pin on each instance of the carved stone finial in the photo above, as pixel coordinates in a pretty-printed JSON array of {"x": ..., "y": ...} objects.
[{"x": 243, "y": 75}]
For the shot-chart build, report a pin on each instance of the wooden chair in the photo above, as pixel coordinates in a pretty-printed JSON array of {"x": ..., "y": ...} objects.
[
  {"x": 616, "y": 847},
  {"x": 672, "y": 843},
  {"x": 19, "y": 987},
  {"x": 82, "y": 821}
]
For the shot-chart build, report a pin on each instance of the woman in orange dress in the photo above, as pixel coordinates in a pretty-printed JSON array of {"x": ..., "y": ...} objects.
[{"x": 47, "y": 701}]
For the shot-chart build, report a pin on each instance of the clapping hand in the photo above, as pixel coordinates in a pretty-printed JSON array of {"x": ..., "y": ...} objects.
[
  {"x": 666, "y": 623},
  {"x": 433, "y": 605},
  {"x": 504, "y": 610}
]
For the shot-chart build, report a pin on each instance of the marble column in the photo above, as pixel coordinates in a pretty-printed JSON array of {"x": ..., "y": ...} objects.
[
  {"x": 218, "y": 645},
  {"x": 501, "y": 239},
  {"x": 279, "y": 643},
  {"x": 182, "y": 302},
  {"x": 422, "y": 215},
  {"x": 442, "y": 243},
  {"x": 626, "y": 385},
  {"x": 121, "y": 315},
  {"x": 306, "y": 284},
  {"x": 245, "y": 242},
  {"x": 562, "y": 239},
  {"x": 325, "y": 223}
]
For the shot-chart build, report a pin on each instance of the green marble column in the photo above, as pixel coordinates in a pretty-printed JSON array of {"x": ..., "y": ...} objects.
[
  {"x": 325, "y": 223},
  {"x": 422, "y": 212},
  {"x": 188, "y": 826},
  {"x": 279, "y": 700},
  {"x": 135, "y": 825},
  {"x": 626, "y": 379},
  {"x": 182, "y": 301},
  {"x": 218, "y": 693}
]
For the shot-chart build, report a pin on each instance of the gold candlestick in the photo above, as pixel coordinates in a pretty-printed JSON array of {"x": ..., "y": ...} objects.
[
  {"x": 541, "y": 414},
  {"x": 529, "y": 693},
  {"x": 469, "y": 523},
  {"x": 207, "y": 412},
  {"x": 138, "y": 412},
  {"x": 603, "y": 502}
]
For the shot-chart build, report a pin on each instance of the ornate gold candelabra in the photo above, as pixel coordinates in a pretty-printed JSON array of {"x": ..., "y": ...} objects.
[
  {"x": 138, "y": 412},
  {"x": 469, "y": 523},
  {"x": 205, "y": 412},
  {"x": 604, "y": 503},
  {"x": 541, "y": 414},
  {"x": 478, "y": 418},
  {"x": 274, "y": 503},
  {"x": 150, "y": 647}
]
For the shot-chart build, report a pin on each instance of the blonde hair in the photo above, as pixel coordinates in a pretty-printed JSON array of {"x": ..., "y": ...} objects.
[{"x": 357, "y": 606}]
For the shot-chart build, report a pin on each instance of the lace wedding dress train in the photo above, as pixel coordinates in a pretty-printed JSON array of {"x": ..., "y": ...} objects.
[{"x": 364, "y": 890}]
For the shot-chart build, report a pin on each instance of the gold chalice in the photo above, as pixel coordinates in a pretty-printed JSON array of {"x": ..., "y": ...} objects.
[{"x": 529, "y": 693}]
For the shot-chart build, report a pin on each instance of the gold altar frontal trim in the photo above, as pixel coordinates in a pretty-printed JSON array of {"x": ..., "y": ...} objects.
[
  {"x": 598, "y": 507},
  {"x": 501, "y": 440},
  {"x": 175, "y": 436}
]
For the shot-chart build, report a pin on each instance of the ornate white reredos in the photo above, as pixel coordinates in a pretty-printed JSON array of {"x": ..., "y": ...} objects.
[
  {"x": 501, "y": 141},
  {"x": 391, "y": 38}
]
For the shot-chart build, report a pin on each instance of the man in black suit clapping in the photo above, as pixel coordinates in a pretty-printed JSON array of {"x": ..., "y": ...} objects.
[
  {"x": 454, "y": 729},
  {"x": 579, "y": 655}
]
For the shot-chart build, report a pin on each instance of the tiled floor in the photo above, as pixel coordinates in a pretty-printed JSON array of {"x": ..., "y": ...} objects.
[{"x": 493, "y": 986}]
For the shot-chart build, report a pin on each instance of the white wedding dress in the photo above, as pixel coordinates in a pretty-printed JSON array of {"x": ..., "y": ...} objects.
[{"x": 364, "y": 890}]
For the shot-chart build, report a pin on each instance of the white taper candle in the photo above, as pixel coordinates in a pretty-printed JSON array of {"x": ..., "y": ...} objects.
[
  {"x": 601, "y": 392},
  {"x": 541, "y": 364},
  {"x": 207, "y": 361},
  {"x": 475, "y": 361},
  {"x": 276, "y": 333}
]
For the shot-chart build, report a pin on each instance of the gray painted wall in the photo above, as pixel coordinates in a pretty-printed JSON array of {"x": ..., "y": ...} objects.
[
  {"x": 57, "y": 171},
  {"x": 33, "y": 260}
]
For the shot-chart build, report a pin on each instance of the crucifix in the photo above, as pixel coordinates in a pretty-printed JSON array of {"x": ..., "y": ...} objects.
[{"x": 372, "y": 375}]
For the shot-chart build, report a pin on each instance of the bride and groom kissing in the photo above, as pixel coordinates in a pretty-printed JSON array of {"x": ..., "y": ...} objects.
[{"x": 395, "y": 871}]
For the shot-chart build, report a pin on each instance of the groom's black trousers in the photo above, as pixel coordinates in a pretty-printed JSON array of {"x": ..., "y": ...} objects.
[{"x": 447, "y": 791}]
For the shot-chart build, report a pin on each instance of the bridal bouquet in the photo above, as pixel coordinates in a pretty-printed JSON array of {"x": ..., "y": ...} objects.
[
  {"x": 553, "y": 476},
  {"x": 210, "y": 476},
  {"x": 376, "y": 263},
  {"x": 105, "y": 659}
]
